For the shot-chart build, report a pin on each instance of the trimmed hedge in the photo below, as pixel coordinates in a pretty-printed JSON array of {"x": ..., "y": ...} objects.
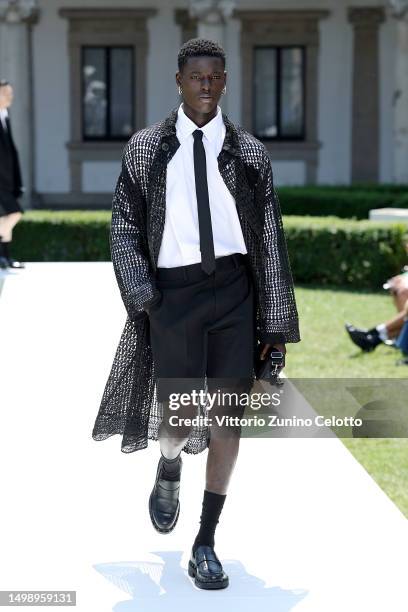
[
  {"x": 51, "y": 235},
  {"x": 324, "y": 250},
  {"x": 346, "y": 202},
  {"x": 329, "y": 250}
]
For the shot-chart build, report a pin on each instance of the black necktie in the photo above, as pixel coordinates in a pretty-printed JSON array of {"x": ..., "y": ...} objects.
[{"x": 203, "y": 205}]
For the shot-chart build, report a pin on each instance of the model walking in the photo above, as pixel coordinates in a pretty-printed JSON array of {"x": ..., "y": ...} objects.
[{"x": 201, "y": 261}]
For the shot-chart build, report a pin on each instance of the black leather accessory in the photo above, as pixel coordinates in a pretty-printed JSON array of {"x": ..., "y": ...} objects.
[
  {"x": 12, "y": 263},
  {"x": 6, "y": 261},
  {"x": 206, "y": 569},
  {"x": 164, "y": 504},
  {"x": 365, "y": 339},
  {"x": 203, "y": 204},
  {"x": 270, "y": 367}
]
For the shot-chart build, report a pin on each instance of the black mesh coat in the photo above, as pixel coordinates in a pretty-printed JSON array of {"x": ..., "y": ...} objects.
[{"x": 129, "y": 405}]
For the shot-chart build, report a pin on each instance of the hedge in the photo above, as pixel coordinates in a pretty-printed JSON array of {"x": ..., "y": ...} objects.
[
  {"x": 329, "y": 250},
  {"x": 324, "y": 250},
  {"x": 50, "y": 235},
  {"x": 347, "y": 202}
]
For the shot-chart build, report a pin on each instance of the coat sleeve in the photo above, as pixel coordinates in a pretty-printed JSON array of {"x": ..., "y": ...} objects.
[
  {"x": 278, "y": 313},
  {"x": 128, "y": 242}
]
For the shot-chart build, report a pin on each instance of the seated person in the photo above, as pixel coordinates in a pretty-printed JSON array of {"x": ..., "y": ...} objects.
[
  {"x": 369, "y": 339},
  {"x": 402, "y": 340}
]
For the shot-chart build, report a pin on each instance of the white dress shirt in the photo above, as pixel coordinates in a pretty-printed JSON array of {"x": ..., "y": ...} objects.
[
  {"x": 3, "y": 116},
  {"x": 181, "y": 238}
]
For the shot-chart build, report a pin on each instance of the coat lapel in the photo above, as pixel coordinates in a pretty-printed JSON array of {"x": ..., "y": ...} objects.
[{"x": 231, "y": 168}]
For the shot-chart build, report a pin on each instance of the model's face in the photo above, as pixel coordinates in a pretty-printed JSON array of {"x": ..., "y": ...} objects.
[
  {"x": 6, "y": 96},
  {"x": 202, "y": 81}
]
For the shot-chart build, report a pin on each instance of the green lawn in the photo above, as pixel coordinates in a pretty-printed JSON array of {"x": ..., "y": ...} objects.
[{"x": 322, "y": 314}]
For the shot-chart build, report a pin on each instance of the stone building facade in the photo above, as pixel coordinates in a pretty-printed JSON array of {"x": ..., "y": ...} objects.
[{"x": 323, "y": 83}]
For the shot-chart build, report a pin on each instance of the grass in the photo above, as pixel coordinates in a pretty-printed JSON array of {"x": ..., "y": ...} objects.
[{"x": 322, "y": 314}]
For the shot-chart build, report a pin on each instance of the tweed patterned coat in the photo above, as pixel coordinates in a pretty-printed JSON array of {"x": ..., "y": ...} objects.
[{"x": 129, "y": 405}]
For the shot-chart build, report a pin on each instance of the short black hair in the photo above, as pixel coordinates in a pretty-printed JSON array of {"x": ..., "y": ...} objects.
[
  {"x": 4, "y": 83},
  {"x": 199, "y": 46}
]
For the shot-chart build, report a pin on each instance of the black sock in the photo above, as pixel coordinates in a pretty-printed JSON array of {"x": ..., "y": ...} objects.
[
  {"x": 171, "y": 468},
  {"x": 4, "y": 249},
  {"x": 212, "y": 506}
]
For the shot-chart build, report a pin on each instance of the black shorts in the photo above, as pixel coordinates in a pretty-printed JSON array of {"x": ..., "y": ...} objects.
[
  {"x": 203, "y": 327},
  {"x": 9, "y": 204}
]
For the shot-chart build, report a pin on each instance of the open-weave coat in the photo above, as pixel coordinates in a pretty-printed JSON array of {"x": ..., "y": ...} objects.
[{"x": 129, "y": 405}]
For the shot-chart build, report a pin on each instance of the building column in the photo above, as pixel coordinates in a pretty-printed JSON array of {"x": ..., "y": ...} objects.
[
  {"x": 400, "y": 12},
  {"x": 211, "y": 16},
  {"x": 365, "y": 105},
  {"x": 16, "y": 19}
]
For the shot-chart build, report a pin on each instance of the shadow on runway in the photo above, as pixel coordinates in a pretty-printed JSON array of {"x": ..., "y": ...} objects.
[{"x": 165, "y": 585}]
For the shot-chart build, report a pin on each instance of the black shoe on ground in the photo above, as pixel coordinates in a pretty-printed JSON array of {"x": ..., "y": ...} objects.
[
  {"x": 12, "y": 263},
  {"x": 3, "y": 263},
  {"x": 206, "y": 569},
  {"x": 365, "y": 339},
  {"x": 164, "y": 504}
]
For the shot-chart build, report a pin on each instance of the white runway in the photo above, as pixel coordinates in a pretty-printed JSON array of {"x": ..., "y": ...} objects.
[{"x": 304, "y": 527}]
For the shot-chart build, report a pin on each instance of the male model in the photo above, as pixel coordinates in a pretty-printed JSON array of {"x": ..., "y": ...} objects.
[
  {"x": 10, "y": 180},
  {"x": 201, "y": 261}
]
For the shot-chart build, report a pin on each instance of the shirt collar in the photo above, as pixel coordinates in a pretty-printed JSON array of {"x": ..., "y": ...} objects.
[{"x": 185, "y": 126}]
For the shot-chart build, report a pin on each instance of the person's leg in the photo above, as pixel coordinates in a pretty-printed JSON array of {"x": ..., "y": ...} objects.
[
  {"x": 394, "y": 325},
  {"x": 222, "y": 456},
  {"x": 172, "y": 438},
  {"x": 7, "y": 223},
  {"x": 400, "y": 298},
  {"x": 221, "y": 460},
  {"x": 178, "y": 356},
  {"x": 229, "y": 367}
]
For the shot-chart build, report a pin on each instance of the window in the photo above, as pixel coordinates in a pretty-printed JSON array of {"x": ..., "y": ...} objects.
[
  {"x": 107, "y": 93},
  {"x": 279, "y": 93}
]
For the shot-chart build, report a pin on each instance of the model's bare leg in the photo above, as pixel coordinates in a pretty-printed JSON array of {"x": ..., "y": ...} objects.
[
  {"x": 172, "y": 438},
  {"x": 223, "y": 449},
  {"x": 7, "y": 222},
  {"x": 221, "y": 460}
]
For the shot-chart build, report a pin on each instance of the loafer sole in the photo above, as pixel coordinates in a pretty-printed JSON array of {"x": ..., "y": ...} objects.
[{"x": 222, "y": 583}]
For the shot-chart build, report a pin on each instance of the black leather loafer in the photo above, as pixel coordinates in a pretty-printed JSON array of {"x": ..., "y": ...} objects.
[
  {"x": 362, "y": 338},
  {"x": 13, "y": 263},
  {"x": 164, "y": 504},
  {"x": 206, "y": 569}
]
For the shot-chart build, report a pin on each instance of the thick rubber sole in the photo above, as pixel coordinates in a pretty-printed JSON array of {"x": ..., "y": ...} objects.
[{"x": 192, "y": 572}]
